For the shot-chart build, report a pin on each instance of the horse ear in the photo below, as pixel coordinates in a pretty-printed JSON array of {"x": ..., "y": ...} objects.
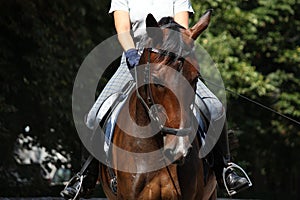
[
  {"x": 201, "y": 25},
  {"x": 151, "y": 21},
  {"x": 155, "y": 32}
]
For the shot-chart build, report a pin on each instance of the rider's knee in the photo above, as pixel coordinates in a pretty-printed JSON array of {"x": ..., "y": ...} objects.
[
  {"x": 219, "y": 112},
  {"x": 215, "y": 107}
]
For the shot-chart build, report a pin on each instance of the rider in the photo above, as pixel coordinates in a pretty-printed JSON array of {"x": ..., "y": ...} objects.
[{"x": 130, "y": 15}]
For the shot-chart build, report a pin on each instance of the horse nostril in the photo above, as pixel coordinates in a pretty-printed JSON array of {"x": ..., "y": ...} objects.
[
  {"x": 173, "y": 157},
  {"x": 169, "y": 154},
  {"x": 180, "y": 161},
  {"x": 188, "y": 150}
]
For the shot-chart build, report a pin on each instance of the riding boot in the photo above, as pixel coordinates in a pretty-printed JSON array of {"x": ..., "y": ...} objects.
[
  {"x": 221, "y": 153},
  {"x": 88, "y": 183}
]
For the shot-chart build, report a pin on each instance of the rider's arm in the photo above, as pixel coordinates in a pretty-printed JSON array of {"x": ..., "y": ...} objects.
[
  {"x": 122, "y": 25},
  {"x": 182, "y": 18}
]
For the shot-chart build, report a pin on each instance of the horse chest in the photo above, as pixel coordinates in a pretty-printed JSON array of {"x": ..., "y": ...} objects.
[{"x": 159, "y": 185}]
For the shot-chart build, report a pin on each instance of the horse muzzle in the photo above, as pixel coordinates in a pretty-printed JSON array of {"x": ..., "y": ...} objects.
[{"x": 177, "y": 144}]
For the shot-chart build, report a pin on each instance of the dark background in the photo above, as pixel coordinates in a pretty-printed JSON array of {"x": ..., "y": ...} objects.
[{"x": 255, "y": 44}]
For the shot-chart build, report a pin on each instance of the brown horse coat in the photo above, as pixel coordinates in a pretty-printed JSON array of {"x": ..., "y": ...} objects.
[{"x": 136, "y": 171}]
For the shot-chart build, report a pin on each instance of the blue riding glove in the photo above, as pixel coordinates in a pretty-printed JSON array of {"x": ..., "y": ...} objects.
[{"x": 132, "y": 58}]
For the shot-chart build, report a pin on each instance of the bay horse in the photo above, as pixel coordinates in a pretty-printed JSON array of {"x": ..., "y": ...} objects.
[{"x": 162, "y": 160}]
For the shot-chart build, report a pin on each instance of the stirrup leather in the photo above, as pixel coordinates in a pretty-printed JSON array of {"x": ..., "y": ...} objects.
[
  {"x": 235, "y": 166},
  {"x": 75, "y": 178}
]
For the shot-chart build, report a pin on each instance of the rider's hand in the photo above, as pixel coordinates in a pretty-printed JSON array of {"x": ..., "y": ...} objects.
[{"x": 132, "y": 58}]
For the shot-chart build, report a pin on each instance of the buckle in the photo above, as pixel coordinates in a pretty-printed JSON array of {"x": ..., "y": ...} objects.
[
  {"x": 113, "y": 185},
  {"x": 235, "y": 166},
  {"x": 76, "y": 178}
]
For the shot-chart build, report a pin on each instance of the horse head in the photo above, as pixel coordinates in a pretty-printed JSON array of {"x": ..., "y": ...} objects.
[{"x": 171, "y": 72}]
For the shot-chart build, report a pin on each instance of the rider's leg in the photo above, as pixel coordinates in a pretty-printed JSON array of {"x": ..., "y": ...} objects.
[
  {"x": 221, "y": 156},
  {"x": 91, "y": 174},
  {"x": 89, "y": 181},
  {"x": 115, "y": 84},
  {"x": 216, "y": 115}
]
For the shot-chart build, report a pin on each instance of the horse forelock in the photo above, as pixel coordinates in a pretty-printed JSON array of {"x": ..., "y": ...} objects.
[{"x": 172, "y": 39}]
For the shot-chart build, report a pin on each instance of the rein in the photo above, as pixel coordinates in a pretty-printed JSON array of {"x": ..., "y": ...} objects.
[{"x": 153, "y": 113}]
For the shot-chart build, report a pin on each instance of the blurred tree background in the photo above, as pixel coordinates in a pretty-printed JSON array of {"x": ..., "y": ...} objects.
[{"x": 256, "y": 45}]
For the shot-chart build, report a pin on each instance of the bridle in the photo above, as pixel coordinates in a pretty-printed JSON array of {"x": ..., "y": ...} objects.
[{"x": 153, "y": 113}]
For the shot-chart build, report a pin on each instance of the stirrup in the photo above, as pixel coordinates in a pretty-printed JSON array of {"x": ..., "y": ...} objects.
[
  {"x": 232, "y": 166},
  {"x": 75, "y": 178}
]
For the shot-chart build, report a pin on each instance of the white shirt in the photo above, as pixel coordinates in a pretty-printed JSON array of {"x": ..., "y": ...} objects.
[{"x": 139, "y": 9}]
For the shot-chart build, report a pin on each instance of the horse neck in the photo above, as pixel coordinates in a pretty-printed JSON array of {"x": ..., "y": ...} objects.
[{"x": 139, "y": 114}]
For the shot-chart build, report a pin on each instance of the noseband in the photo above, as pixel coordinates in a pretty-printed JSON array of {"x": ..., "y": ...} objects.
[{"x": 153, "y": 113}]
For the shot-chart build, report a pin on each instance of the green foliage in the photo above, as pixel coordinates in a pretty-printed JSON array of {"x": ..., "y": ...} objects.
[{"x": 255, "y": 45}]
